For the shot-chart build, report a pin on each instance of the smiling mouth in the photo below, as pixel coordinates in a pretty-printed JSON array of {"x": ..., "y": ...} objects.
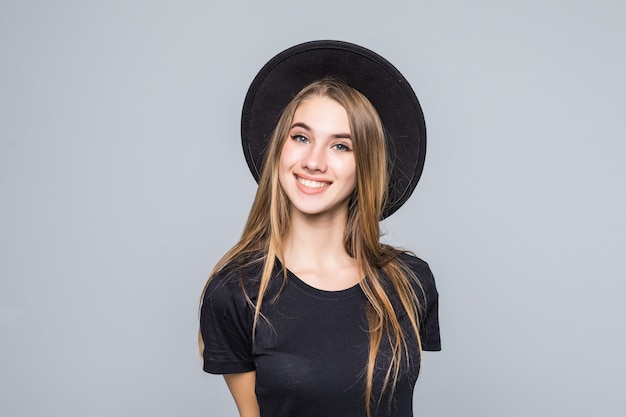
[{"x": 312, "y": 184}]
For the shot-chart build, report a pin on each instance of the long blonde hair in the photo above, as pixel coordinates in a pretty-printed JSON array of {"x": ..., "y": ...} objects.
[{"x": 269, "y": 220}]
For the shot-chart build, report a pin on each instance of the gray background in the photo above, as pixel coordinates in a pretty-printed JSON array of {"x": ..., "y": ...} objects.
[{"x": 122, "y": 182}]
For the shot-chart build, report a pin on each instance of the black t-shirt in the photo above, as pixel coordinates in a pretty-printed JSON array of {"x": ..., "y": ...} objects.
[{"x": 311, "y": 349}]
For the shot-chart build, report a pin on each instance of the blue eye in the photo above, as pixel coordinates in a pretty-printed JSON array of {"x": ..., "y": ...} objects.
[
  {"x": 341, "y": 147},
  {"x": 300, "y": 138}
]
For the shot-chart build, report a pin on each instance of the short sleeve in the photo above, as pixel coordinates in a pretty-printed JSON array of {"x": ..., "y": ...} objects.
[
  {"x": 426, "y": 292},
  {"x": 226, "y": 327}
]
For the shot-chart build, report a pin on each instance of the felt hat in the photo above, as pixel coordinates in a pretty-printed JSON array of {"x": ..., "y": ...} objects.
[{"x": 364, "y": 70}]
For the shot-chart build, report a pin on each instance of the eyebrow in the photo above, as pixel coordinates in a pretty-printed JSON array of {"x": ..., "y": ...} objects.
[{"x": 308, "y": 129}]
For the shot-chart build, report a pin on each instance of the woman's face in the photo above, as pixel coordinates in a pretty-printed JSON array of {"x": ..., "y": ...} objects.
[{"x": 317, "y": 169}]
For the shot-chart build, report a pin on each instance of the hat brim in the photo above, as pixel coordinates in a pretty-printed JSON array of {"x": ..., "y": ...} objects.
[{"x": 389, "y": 92}]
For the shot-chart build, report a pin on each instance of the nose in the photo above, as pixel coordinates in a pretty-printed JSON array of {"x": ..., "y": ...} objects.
[{"x": 315, "y": 159}]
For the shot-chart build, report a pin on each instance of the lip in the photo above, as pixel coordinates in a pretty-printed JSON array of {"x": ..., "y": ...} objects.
[{"x": 311, "y": 190}]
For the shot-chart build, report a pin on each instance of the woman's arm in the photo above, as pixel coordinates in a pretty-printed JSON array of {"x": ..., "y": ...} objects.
[{"x": 241, "y": 386}]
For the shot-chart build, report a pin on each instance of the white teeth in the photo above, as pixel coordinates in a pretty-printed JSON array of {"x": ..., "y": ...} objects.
[{"x": 312, "y": 184}]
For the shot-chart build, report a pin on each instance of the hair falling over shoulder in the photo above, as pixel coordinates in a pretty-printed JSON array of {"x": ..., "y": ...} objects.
[{"x": 269, "y": 220}]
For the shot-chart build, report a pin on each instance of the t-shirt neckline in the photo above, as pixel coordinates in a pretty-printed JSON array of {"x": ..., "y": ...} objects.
[{"x": 316, "y": 292}]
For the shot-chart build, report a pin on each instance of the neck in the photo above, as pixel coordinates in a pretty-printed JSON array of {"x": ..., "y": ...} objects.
[{"x": 313, "y": 249}]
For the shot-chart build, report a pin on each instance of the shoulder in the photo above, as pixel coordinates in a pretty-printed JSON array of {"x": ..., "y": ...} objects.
[
  {"x": 413, "y": 262},
  {"x": 235, "y": 282},
  {"x": 418, "y": 267}
]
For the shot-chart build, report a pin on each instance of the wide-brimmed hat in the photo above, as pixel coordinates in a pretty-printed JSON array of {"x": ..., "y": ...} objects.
[{"x": 364, "y": 70}]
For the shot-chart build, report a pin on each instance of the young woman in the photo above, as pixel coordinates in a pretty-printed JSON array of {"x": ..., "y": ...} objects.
[{"x": 309, "y": 314}]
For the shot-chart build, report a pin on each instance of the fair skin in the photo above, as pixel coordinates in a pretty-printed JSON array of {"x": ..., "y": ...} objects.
[
  {"x": 241, "y": 387},
  {"x": 317, "y": 171}
]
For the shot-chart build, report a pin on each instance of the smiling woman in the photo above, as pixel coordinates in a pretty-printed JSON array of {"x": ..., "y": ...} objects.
[{"x": 309, "y": 314}]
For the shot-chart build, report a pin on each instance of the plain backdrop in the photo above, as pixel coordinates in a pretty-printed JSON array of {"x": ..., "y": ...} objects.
[{"x": 122, "y": 182}]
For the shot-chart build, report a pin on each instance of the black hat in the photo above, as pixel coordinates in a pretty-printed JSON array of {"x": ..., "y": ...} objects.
[{"x": 369, "y": 73}]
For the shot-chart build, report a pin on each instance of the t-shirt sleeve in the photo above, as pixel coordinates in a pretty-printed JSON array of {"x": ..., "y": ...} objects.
[
  {"x": 429, "y": 330},
  {"x": 428, "y": 296},
  {"x": 226, "y": 327}
]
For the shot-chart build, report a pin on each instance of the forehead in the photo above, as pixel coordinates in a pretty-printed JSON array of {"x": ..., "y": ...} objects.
[{"x": 322, "y": 111}]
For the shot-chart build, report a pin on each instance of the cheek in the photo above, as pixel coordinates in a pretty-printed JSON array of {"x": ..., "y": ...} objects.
[
  {"x": 287, "y": 154},
  {"x": 285, "y": 163},
  {"x": 349, "y": 170}
]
